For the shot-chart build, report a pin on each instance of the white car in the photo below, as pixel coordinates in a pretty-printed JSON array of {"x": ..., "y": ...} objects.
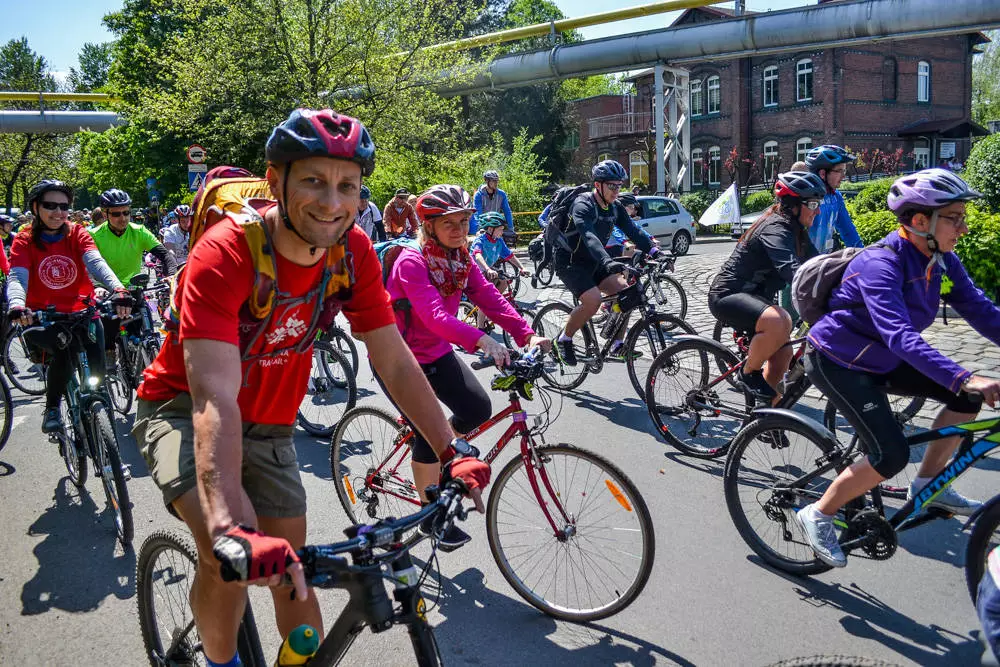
[
  {"x": 746, "y": 220},
  {"x": 668, "y": 221}
]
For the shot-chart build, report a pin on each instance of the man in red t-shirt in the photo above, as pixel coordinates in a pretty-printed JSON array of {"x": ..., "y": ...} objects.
[{"x": 217, "y": 406}]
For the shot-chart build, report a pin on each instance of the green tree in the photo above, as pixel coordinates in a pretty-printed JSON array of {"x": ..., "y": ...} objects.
[
  {"x": 986, "y": 81},
  {"x": 95, "y": 64}
]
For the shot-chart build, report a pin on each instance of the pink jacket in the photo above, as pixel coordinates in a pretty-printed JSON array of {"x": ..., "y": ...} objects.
[{"x": 432, "y": 328}]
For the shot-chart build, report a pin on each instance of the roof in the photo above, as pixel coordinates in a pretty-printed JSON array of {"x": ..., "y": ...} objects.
[{"x": 955, "y": 128}]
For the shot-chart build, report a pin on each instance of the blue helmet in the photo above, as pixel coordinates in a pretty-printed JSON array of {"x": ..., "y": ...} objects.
[
  {"x": 608, "y": 170},
  {"x": 365, "y": 192},
  {"x": 827, "y": 157}
]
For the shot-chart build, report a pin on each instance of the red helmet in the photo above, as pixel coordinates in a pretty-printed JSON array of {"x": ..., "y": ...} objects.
[
  {"x": 321, "y": 133},
  {"x": 442, "y": 200}
]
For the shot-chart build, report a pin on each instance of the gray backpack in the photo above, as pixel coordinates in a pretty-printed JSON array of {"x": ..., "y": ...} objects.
[{"x": 814, "y": 281}]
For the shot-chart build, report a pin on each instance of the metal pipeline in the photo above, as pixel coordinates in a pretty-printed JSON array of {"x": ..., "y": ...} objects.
[{"x": 57, "y": 122}]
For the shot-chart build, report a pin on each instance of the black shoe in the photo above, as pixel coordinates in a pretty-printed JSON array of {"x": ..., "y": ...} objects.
[
  {"x": 452, "y": 539},
  {"x": 755, "y": 384},
  {"x": 567, "y": 352},
  {"x": 52, "y": 421}
]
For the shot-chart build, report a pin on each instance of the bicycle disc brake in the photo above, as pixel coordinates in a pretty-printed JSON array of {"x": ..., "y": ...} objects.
[{"x": 879, "y": 540}]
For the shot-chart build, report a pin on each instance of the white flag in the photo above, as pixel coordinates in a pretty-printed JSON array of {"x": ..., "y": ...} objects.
[{"x": 724, "y": 211}]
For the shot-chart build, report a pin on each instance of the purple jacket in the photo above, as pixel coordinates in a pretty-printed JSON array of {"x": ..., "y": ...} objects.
[
  {"x": 883, "y": 303},
  {"x": 433, "y": 327}
]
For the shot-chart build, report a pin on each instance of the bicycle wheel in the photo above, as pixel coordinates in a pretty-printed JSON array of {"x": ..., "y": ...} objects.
[
  {"x": 985, "y": 537},
  {"x": 372, "y": 474},
  {"x": 345, "y": 345},
  {"x": 109, "y": 468},
  {"x": 905, "y": 408},
  {"x": 72, "y": 448},
  {"x": 667, "y": 294},
  {"x": 550, "y": 322},
  {"x": 693, "y": 408},
  {"x": 164, "y": 573},
  {"x": 24, "y": 374},
  {"x": 510, "y": 273},
  {"x": 762, "y": 493},
  {"x": 333, "y": 371},
  {"x": 325, "y": 402},
  {"x": 120, "y": 391},
  {"x": 599, "y": 561},
  {"x": 650, "y": 336},
  {"x": 543, "y": 276},
  {"x": 7, "y": 418},
  {"x": 528, "y": 315}
]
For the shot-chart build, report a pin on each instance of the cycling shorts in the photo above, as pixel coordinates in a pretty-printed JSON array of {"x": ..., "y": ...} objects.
[
  {"x": 580, "y": 274},
  {"x": 740, "y": 310}
]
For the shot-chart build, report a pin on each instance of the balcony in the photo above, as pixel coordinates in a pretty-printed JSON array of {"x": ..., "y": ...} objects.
[{"x": 620, "y": 124}]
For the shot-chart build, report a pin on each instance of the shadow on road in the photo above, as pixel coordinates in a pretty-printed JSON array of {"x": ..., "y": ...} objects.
[
  {"x": 313, "y": 454},
  {"x": 79, "y": 561},
  {"x": 6, "y": 469},
  {"x": 629, "y": 412},
  {"x": 541, "y": 640}
]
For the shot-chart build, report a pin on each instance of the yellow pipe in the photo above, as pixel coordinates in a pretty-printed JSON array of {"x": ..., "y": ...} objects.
[
  {"x": 6, "y": 96},
  {"x": 561, "y": 25}
]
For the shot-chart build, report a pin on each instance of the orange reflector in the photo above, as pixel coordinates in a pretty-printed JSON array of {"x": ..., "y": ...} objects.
[
  {"x": 619, "y": 496},
  {"x": 350, "y": 491}
]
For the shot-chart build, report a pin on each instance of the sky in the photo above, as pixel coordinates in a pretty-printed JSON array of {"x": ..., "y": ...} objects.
[{"x": 58, "y": 29}]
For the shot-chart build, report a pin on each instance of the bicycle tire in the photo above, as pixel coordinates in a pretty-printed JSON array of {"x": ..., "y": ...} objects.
[
  {"x": 26, "y": 376},
  {"x": 147, "y": 573},
  {"x": 558, "y": 374},
  {"x": 623, "y": 498},
  {"x": 667, "y": 290},
  {"x": 345, "y": 345},
  {"x": 510, "y": 273},
  {"x": 72, "y": 449},
  {"x": 110, "y": 463},
  {"x": 681, "y": 403},
  {"x": 527, "y": 315},
  {"x": 7, "y": 419},
  {"x": 982, "y": 541},
  {"x": 322, "y": 393},
  {"x": 660, "y": 330},
  {"x": 804, "y": 561},
  {"x": 365, "y": 438},
  {"x": 834, "y": 661},
  {"x": 543, "y": 276},
  {"x": 120, "y": 392}
]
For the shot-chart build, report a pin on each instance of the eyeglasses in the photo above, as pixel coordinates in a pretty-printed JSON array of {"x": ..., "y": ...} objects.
[
  {"x": 119, "y": 214},
  {"x": 614, "y": 187},
  {"x": 839, "y": 171},
  {"x": 53, "y": 205},
  {"x": 955, "y": 221},
  {"x": 812, "y": 204}
]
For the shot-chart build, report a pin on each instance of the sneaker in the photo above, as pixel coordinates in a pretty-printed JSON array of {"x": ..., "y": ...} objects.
[
  {"x": 777, "y": 439},
  {"x": 452, "y": 539},
  {"x": 950, "y": 500},
  {"x": 821, "y": 536},
  {"x": 567, "y": 352},
  {"x": 755, "y": 384},
  {"x": 52, "y": 421},
  {"x": 617, "y": 353}
]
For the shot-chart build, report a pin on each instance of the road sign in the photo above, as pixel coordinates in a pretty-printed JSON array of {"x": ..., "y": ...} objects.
[
  {"x": 196, "y": 174},
  {"x": 196, "y": 154}
]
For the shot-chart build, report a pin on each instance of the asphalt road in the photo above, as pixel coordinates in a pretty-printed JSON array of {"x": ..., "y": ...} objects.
[{"x": 67, "y": 594}]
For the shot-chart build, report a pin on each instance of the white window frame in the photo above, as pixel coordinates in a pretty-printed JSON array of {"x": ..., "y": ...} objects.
[
  {"x": 770, "y": 168},
  {"x": 697, "y": 164},
  {"x": 803, "y": 69},
  {"x": 923, "y": 81},
  {"x": 770, "y": 77},
  {"x": 715, "y": 163},
  {"x": 714, "y": 85},
  {"x": 802, "y": 146},
  {"x": 923, "y": 151},
  {"x": 637, "y": 163},
  {"x": 697, "y": 98},
  {"x": 601, "y": 157}
]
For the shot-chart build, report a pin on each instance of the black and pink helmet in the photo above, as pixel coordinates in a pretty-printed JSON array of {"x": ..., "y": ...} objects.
[
  {"x": 930, "y": 188},
  {"x": 321, "y": 133},
  {"x": 441, "y": 200}
]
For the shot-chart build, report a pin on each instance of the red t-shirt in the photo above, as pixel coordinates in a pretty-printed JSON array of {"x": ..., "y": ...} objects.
[
  {"x": 212, "y": 298},
  {"x": 57, "y": 276}
]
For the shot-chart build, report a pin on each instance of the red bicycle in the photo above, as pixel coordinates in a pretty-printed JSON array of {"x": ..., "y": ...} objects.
[{"x": 568, "y": 530}]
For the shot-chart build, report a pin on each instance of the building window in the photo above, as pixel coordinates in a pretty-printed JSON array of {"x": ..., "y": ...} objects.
[
  {"x": 889, "y": 79},
  {"x": 697, "y": 166},
  {"x": 804, "y": 80},
  {"x": 714, "y": 95},
  {"x": 714, "y": 165},
  {"x": 638, "y": 168},
  {"x": 601, "y": 157},
  {"x": 923, "y": 81},
  {"x": 771, "y": 86},
  {"x": 770, "y": 160},
  {"x": 802, "y": 146},
  {"x": 921, "y": 155},
  {"x": 572, "y": 140},
  {"x": 697, "y": 101}
]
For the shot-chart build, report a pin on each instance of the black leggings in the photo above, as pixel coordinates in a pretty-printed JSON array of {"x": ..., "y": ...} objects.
[
  {"x": 456, "y": 386},
  {"x": 861, "y": 398},
  {"x": 60, "y": 364}
]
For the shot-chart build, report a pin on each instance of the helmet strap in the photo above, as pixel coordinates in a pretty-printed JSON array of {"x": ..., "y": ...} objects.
[
  {"x": 936, "y": 256},
  {"x": 284, "y": 213},
  {"x": 597, "y": 191}
]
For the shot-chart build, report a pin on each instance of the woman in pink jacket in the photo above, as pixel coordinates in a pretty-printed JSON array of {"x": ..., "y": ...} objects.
[{"x": 426, "y": 288}]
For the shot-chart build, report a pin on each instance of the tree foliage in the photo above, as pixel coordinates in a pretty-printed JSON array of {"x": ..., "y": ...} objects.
[
  {"x": 983, "y": 170},
  {"x": 986, "y": 81}
]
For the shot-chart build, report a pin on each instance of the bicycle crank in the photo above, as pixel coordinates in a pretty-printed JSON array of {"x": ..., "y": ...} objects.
[{"x": 872, "y": 533}]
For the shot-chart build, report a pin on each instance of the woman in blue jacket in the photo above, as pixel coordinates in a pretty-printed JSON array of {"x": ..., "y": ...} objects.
[{"x": 870, "y": 341}]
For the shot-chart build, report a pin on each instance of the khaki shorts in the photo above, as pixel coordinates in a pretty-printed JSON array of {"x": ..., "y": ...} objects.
[{"x": 165, "y": 434}]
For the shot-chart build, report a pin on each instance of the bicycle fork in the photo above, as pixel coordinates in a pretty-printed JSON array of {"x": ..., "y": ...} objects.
[{"x": 534, "y": 466}]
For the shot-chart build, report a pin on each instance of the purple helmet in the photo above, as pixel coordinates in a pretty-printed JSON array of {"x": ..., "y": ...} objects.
[{"x": 930, "y": 188}]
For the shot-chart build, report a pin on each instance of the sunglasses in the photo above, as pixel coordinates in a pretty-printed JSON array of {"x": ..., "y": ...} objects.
[
  {"x": 53, "y": 205},
  {"x": 812, "y": 204},
  {"x": 614, "y": 187},
  {"x": 119, "y": 214}
]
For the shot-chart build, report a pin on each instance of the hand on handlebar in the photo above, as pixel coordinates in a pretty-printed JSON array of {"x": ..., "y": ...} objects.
[
  {"x": 525, "y": 273},
  {"x": 614, "y": 266},
  {"x": 988, "y": 387},
  {"x": 540, "y": 341},
  {"x": 122, "y": 301},
  {"x": 252, "y": 558},
  {"x": 22, "y": 315},
  {"x": 475, "y": 474},
  {"x": 491, "y": 348},
  {"x": 491, "y": 275}
]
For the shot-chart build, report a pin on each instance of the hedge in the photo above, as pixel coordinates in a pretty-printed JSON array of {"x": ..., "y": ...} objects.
[
  {"x": 982, "y": 171},
  {"x": 757, "y": 202},
  {"x": 696, "y": 202}
]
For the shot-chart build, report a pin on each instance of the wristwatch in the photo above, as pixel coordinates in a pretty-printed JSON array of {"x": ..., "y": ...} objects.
[{"x": 457, "y": 449}]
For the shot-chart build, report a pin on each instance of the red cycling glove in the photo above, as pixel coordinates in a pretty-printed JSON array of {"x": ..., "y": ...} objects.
[
  {"x": 475, "y": 473},
  {"x": 247, "y": 554}
]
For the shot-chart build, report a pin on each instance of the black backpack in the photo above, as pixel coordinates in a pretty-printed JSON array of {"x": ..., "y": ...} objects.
[{"x": 557, "y": 233}]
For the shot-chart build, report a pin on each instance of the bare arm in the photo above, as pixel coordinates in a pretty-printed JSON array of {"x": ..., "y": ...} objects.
[
  {"x": 214, "y": 377},
  {"x": 407, "y": 384}
]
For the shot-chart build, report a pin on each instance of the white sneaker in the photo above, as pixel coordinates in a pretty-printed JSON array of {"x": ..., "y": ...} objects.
[
  {"x": 950, "y": 500},
  {"x": 822, "y": 536}
]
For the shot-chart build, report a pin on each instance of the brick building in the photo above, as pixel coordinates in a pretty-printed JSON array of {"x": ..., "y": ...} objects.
[{"x": 910, "y": 94}]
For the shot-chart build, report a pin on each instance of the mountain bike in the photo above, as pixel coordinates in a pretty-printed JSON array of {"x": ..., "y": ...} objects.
[
  {"x": 568, "y": 530},
  {"x": 766, "y": 483},
  {"x": 331, "y": 391},
  {"x": 23, "y": 367},
  {"x": 6, "y": 412},
  {"x": 649, "y": 336},
  {"x": 469, "y": 314},
  {"x": 87, "y": 427},
  {"x": 167, "y": 563},
  {"x": 134, "y": 350}
]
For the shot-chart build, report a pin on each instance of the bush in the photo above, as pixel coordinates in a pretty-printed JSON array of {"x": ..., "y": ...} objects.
[
  {"x": 874, "y": 226},
  {"x": 979, "y": 250},
  {"x": 872, "y": 197},
  {"x": 696, "y": 202},
  {"x": 757, "y": 201},
  {"x": 982, "y": 171}
]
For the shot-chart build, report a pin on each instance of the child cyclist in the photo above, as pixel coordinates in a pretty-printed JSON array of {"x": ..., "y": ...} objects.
[{"x": 488, "y": 250}]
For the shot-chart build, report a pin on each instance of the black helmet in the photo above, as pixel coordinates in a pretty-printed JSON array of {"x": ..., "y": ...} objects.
[
  {"x": 48, "y": 185},
  {"x": 365, "y": 192},
  {"x": 800, "y": 184},
  {"x": 827, "y": 157},
  {"x": 114, "y": 197},
  {"x": 628, "y": 199},
  {"x": 608, "y": 170}
]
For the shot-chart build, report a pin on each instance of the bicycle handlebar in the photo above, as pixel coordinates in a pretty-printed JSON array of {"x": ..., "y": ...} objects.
[{"x": 530, "y": 357}]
